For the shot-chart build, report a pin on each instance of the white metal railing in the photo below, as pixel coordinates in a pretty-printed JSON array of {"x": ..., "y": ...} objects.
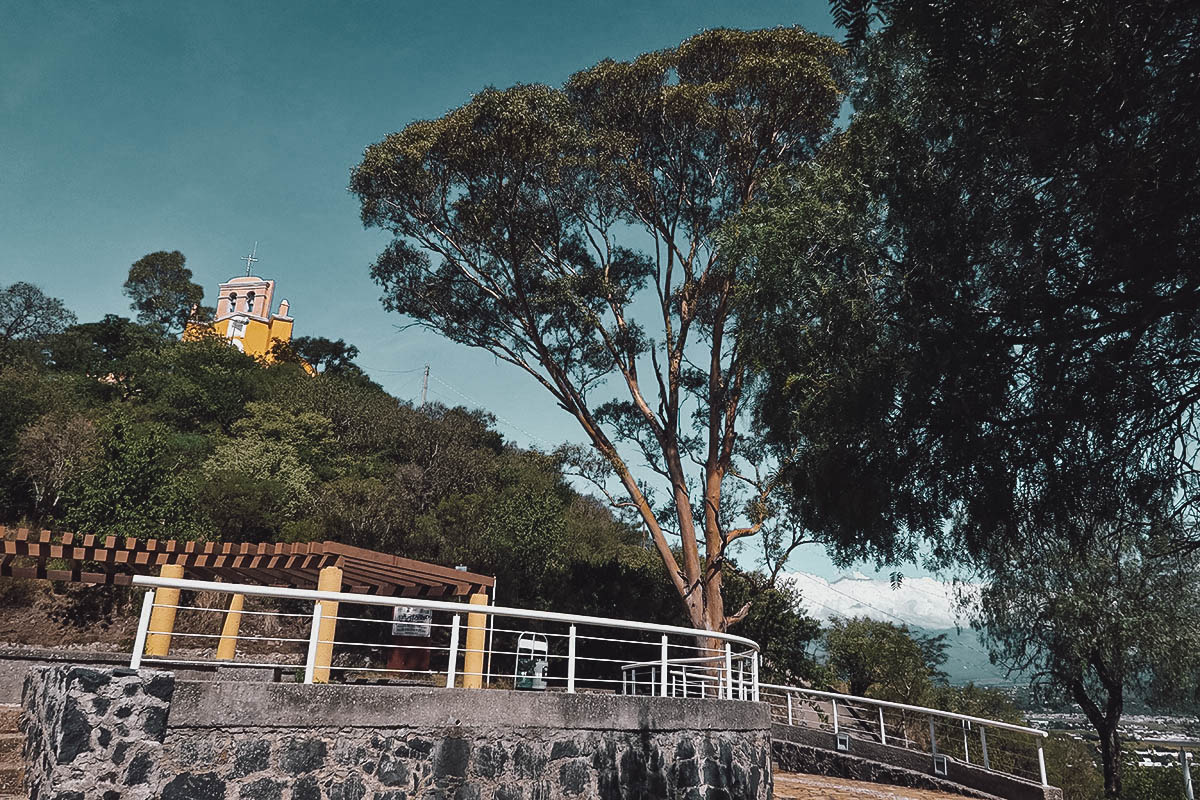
[
  {"x": 732, "y": 675},
  {"x": 997, "y": 746},
  {"x": 479, "y": 645},
  {"x": 281, "y": 629}
]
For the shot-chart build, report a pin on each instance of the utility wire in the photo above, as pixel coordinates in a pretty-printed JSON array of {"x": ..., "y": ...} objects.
[{"x": 478, "y": 404}]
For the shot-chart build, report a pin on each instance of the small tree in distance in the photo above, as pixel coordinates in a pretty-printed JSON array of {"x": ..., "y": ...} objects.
[
  {"x": 569, "y": 232},
  {"x": 27, "y": 316},
  {"x": 883, "y": 660},
  {"x": 162, "y": 290}
]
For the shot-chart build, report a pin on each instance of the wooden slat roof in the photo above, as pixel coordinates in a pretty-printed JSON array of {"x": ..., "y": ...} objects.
[{"x": 86, "y": 558}]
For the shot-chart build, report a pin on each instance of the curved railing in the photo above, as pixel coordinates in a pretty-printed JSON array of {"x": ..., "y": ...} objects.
[{"x": 300, "y": 630}]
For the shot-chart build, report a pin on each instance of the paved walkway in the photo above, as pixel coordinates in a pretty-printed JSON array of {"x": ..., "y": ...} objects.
[{"x": 790, "y": 786}]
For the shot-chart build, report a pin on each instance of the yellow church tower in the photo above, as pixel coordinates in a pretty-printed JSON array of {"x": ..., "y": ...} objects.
[{"x": 244, "y": 317}]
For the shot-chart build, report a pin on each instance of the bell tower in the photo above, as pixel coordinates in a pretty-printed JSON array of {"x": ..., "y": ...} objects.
[{"x": 244, "y": 313}]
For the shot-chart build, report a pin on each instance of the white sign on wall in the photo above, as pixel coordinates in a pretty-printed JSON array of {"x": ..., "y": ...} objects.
[{"x": 411, "y": 621}]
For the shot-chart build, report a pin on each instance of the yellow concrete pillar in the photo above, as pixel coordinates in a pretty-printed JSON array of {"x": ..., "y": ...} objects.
[
  {"x": 330, "y": 580},
  {"x": 162, "y": 618},
  {"x": 227, "y": 648},
  {"x": 476, "y": 635}
]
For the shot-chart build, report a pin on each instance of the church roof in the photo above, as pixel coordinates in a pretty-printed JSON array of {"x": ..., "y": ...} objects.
[
  {"x": 116, "y": 559},
  {"x": 244, "y": 279}
]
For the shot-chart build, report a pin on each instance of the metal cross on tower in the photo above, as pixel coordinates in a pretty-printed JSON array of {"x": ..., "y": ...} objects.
[{"x": 250, "y": 259}]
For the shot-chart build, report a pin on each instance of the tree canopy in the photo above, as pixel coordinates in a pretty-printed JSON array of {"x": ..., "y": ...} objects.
[
  {"x": 978, "y": 305},
  {"x": 570, "y": 233}
]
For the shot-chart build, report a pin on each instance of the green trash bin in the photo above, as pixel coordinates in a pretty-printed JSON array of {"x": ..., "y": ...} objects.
[{"x": 533, "y": 659}]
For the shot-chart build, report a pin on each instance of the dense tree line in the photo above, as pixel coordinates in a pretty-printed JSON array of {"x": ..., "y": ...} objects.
[{"x": 119, "y": 426}]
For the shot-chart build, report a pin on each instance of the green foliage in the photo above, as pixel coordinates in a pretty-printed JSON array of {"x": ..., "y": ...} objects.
[
  {"x": 136, "y": 487},
  {"x": 122, "y": 430},
  {"x": 100, "y": 349},
  {"x": 200, "y": 385},
  {"x": 324, "y": 355},
  {"x": 1071, "y": 765},
  {"x": 1151, "y": 783},
  {"x": 53, "y": 451},
  {"x": 162, "y": 290},
  {"x": 28, "y": 395},
  {"x": 882, "y": 660}
]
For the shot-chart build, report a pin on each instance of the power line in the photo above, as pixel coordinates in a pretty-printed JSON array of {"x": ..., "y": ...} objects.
[
  {"x": 507, "y": 422},
  {"x": 391, "y": 371}
]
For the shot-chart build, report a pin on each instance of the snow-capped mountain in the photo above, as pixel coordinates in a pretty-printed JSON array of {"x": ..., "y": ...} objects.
[
  {"x": 925, "y": 604},
  {"x": 920, "y": 602}
]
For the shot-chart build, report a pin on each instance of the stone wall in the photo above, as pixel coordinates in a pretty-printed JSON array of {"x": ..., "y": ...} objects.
[
  {"x": 235, "y": 741},
  {"x": 94, "y": 732}
]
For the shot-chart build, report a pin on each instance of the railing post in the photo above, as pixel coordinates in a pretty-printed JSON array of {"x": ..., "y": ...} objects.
[
  {"x": 1042, "y": 764},
  {"x": 227, "y": 647},
  {"x": 162, "y": 620},
  {"x": 728, "y": 671},
  {"x": 571, "y": 662},
  {"x": 139, "y": 639},
  {"x": 966, "y": 752},
  {"x": 754, "y": 675},
  {"x": 665, "y": 668},
  {"x": 476, "y": 639},
  {"x": 882, "y": 729},
  {"x": 329, "y": 579},
  {"x": 789, "y": 699},
  {"x": 987, "y": 764},
  {"x": 314, "y": 641},
  {"x": 835, "y": 716},
  {"x": 932, "y": 737},
  {"x": 1184, "y": 758},
  {"x": 452, "y": 664}
]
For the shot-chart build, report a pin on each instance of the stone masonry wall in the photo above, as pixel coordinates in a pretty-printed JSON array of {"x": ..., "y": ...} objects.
[
  {"x": 399, "y": 764},
  {"x": 94, "y": 732},
  {"x": 96, "y": 735}
]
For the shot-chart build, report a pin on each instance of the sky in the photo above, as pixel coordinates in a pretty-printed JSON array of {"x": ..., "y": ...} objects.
[{"x": 132, "y": 127}]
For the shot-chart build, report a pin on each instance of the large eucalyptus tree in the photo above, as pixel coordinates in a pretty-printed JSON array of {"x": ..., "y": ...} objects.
[{"x": 570, "y": 233}]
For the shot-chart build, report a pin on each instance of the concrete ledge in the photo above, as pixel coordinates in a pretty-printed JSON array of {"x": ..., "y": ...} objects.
[
  {"x": 15, "y": 663},
  {"x": 216, "y": 704}
]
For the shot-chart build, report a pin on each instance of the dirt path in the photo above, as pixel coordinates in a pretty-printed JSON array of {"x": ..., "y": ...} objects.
[{"x": 789, "y": 786}]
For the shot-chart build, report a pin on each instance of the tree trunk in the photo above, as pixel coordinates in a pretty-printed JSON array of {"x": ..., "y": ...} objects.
[
  {"x": 1110, "y": 759},
  {"x": 1106, "y": 723}
]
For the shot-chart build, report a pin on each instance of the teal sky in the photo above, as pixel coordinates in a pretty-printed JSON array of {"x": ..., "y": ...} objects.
[{"x": 130, "y": 127}]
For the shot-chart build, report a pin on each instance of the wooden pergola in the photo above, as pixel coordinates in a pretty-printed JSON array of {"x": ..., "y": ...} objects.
[{"x": 87, "y": 558}]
